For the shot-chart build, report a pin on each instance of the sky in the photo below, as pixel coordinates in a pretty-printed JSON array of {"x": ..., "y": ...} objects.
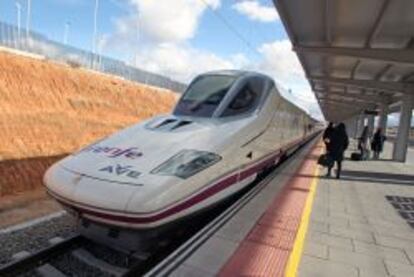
[{"x": 177, "y": 38}]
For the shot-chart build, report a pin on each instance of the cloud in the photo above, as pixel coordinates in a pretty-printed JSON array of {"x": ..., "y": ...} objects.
[
  {"x": 256, "y": 11},
  {"x": 183, "y": 62},
  {"x": 281, "y": 63},
  {"x": 170, "y": 21},
  {"x": 159, "y": 31},
  {"x": 159, "y": 34}
]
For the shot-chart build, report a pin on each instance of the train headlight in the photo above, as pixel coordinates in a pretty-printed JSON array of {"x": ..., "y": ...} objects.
[{"x": 187, "y": 163}]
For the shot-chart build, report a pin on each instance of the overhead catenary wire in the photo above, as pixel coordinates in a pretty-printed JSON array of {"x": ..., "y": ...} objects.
[{"x": 232, "y": 28}]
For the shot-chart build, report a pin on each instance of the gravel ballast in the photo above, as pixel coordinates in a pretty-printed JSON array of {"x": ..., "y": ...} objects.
[{"x": 35, "y": 237}]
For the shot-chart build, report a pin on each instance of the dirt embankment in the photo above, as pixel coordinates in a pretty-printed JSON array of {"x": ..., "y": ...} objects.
[{"x": 48, "y": 110}]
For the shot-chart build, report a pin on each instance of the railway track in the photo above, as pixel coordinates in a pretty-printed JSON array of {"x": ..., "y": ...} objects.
[
  {"x": 39, "y": 258},
  {"x": 79, "y": 256}
]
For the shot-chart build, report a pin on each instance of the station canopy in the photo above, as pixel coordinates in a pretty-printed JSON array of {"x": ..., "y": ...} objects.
[{"x": 357, "y": 55}]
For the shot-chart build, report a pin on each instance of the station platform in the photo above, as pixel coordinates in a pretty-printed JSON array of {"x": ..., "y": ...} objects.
[
  {"x": 363, "y": 224},
  {"x": 303, "y": 224}
]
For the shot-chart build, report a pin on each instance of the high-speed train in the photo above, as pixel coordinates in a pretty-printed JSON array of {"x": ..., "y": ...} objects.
[{"x": 226, "y": 128}]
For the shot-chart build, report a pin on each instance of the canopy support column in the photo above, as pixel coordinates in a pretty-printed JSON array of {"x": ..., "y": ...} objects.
[
  {"x": 361, "y": 124},
  {"x": 371, "y": 121},
  {"x": 383, "y": 117},
  {"x": 401, "y": 142}
]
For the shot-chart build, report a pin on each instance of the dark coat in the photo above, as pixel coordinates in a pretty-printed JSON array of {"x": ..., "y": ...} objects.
[
  {"x": 328, "y": 132},
  {"x": 363, "y": 140},
  {"x": 338, "y": 144},
  {"x": 377, "y": 142},
  {"x": 327, "y": 135}
]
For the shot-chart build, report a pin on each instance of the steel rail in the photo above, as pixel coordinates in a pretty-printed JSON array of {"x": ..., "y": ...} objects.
[{"x": 40, "y": 257}]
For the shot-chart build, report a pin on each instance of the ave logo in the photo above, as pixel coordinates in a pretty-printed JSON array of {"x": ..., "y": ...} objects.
[{"x": 121, "y": 170}]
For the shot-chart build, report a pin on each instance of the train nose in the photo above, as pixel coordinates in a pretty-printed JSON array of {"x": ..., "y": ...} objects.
[
  {"x": 88, "y": 191},
  {"x": 157, "y": 193},
  {"x": 60, "y": 182}
]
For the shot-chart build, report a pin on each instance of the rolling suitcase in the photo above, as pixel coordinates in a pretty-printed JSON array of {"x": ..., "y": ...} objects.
[{"x": 356, "y": 156}]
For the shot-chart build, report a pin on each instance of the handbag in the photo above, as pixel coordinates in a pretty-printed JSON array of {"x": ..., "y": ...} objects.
[
  {"x": 356, "y": 156},
  {"x": 325, "y": 160}
]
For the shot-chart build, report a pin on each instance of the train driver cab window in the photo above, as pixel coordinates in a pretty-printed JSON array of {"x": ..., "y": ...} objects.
[
  {"x": 245, "y": 100},
  {"x": 204, "y": 95}
]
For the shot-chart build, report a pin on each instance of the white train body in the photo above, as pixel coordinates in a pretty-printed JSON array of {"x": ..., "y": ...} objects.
[{"x": 226, "y": 128}]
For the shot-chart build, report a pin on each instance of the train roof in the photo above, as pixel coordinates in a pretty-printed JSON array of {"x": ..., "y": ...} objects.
[{"x": 237, "y": 73}]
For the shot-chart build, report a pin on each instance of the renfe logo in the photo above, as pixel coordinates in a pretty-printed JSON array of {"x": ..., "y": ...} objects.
[{"x": 114, "y": 152}]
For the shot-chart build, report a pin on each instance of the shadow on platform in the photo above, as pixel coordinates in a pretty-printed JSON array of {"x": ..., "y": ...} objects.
[
  {"x": 366, "y": 176},
  {"x": 378, "y": 177},
  {"x": 312, "y": 157},
  {"x": 371, "y": 160}
]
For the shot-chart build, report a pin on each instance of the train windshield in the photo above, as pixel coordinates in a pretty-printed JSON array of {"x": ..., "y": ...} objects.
[{"x": 204, "y": 95}]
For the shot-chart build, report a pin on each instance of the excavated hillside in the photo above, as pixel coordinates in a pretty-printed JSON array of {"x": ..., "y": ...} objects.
[{"x": 48, "y": 110}]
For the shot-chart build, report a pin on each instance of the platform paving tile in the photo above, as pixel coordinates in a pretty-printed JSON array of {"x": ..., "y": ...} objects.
[
  {"x": 395, "y": 226},
  {"x": 250, "y": 213},
  {"x": 280, "y": 221},
  {"x": 316, "y": 250},
  {"x": 357, "y": 259},
  {"x": 330, "y": 240},
  {"x": 395, "y": 233},
  {"x": 322, "y": 211},
  {"x": 214, "y": 253},
  {"x": 399, "y": 270},
  {"x": 390, "y": 219},
  {"x": 394, "y": 242},
  {"x": 363, "y": 272},
  {"x": 337, "y": 221},
  {"x": 350, "y": 217},
  {"x": 236, "y": 229},
  {"x": 319, "y": 227},
  {"x": 315, "y": 267},
  {"x": 256, "y": 259},
  {"x": 388, "y": 253},
  {"x": 410, "y": 255},
  {"x": 274, "y": 237},
  {"x": 319, "y": 214},
  {"x": 336, "y": 208},
  {"x": 362, "y": 226},
  {"x": 352, "y": 234},
  {"x": 190, "y": 271},
  {"x": 261, "y": 201},
  {"x": 352, "y": 210}
]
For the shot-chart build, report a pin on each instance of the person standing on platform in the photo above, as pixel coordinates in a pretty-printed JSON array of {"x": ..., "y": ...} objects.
[
  {"x": 327, "y": 134},
  {"x": 362, "y": 143},
  {"x": 338, "y": 144},
  {"x": 378, "y": 143}
]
